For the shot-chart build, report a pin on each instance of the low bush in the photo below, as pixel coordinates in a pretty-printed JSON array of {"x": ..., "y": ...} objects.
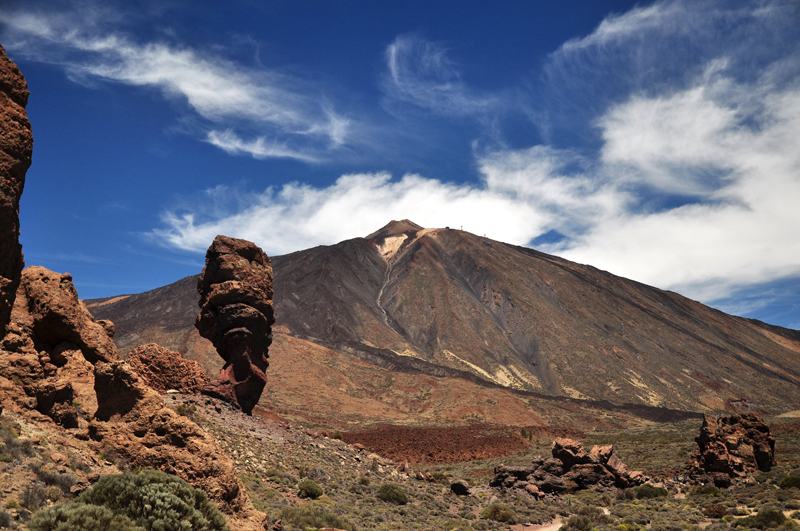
[
  {"x": 790, "y": 482},
  {"x": 155, "y": 501},
  {"x": 81, "y": 517},
  {"x": 12, "y": 449},
  {"x": 390, "y": 492},
  {"x": 499, "y": 513},
  {"x": 309, "y": 488},
  {"x": 186, "y": 410},
  {"x": 705, "y": 490},
  {"x": 649, "y": 491},
  {"x": 766, "y": 518},
  {"x": 316, "y": 516},
  {"x": 33, "y": 496},
  {"x": 363, "y": 480},
  {"x": 6, "y": 521}
]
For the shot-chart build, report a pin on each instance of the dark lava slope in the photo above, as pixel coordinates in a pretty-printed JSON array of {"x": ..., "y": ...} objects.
[{"x": 450, "y": 303}]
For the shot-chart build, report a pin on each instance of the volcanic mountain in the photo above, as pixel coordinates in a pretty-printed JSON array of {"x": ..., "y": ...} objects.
[{"x": 439, "y": 306}]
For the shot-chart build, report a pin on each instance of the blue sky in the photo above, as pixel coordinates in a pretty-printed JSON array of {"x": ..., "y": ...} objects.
[{"x": 655, "y": 140}]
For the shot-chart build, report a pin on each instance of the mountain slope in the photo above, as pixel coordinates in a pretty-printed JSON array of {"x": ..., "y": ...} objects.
[{"x": 452, "y": 304}]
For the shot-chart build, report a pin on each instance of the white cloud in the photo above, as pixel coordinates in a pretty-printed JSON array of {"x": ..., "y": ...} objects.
[
  {"x": 300, "y": 216},
  {"x": 420, "y": 73},
  {"x": 289, "y": 117},
  {"x": 694, "y": 186}
]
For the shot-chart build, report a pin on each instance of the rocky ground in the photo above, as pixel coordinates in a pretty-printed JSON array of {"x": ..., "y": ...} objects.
[{"x": 41, "y": 465}]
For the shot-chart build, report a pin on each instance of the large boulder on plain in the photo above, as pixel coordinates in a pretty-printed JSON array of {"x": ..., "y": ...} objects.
[{"x": 735, "y": 446}]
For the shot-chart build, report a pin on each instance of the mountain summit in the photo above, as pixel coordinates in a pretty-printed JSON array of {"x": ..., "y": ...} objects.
[{"x": 449, "y": 303}]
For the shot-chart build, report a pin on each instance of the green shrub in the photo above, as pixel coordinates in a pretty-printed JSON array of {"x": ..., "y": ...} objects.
[
  {"x": 314, "y": 515},
  {"x": 705, "y": 490},
  {"x": 309, "y": 488},
  {"x": 155, "y": 501},
  {"x": 765, "y": 519},
  {"x": 363, "y": 480},
  {"x": 578, "y": 523},
  {"x": 81, "y": 517},
  {"x": 6, "y": 521},
  {"x": 499, "y": 513},
  {"x": 186, "y": 410},
  {"x": 790, "y": 482},
  {"x": 649, "y": 491},
  {"x": 389, "y": 492},
  {"x": 336, "y": 435}
]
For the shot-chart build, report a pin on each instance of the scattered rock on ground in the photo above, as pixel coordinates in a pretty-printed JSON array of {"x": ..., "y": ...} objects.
[{"x": 570, "y": 468}]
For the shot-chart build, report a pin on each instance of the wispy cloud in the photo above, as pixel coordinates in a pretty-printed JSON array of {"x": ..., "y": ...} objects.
[
  {"x": 693, "y": 185},
  {"x": 419, "y": 72},
  {"x": 284, "y": 116}
]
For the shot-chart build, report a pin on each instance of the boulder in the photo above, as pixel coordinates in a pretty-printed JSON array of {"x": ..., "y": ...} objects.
[
  {"x": 236, "y": 315},
  {"x": 459, "y": 487},
  {"x": 570, "y": 468},
  {"x": 16, "y": 148},
  {"x": 163, "y": 369},
  {"x": 570, "y": 452},
  {"x": 735, "y": 446}
]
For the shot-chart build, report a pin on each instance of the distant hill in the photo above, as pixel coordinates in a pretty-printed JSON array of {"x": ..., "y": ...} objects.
[{"x": 447, "y": 304}]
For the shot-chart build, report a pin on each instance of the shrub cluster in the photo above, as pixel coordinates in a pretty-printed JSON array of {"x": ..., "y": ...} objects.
[
  {"x": 314, "y": 516},
  {"x": 148, "y": 500},
  {"x": 766, "y": 518},
  {"x": 309, "y": 488},
  {"x": 790, "y": 482},
  {"x": 390, "y": 492},
  {"x": 499, "y": 513},
  {"x": 649, "y": 491}
]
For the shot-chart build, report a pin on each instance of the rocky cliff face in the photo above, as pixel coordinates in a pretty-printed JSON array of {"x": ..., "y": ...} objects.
[
  {"x": 163, "y": 369},
  {"x": 51, "y": 345},
  {"x": 16, "y": 147},
  {"x": 237, "y": 316}
]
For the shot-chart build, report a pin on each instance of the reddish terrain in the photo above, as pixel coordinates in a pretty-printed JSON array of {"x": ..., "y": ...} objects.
[{"x": 448, "y": 445}]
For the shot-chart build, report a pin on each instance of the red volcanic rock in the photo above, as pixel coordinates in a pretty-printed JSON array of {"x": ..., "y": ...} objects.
[
  {"x": 164, "y": 369},
  {"x": 133, "y": 420},
  {"x": 49, "y": 311},
  {"x": 570, "y": 452},
  {"x": 571, "y": 467},
  {"x": 236, "y": 315},
  {"x": 16, "y": 147},
  {"x": 50, "y": 346},
  {"x": 732, "y": 446}
]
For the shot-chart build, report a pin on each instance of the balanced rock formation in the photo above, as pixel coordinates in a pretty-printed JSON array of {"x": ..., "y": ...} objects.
[
  {"x": 570, "y": 468},
  {"x": 16, "y": 148},
  {"x": 133, "y": 420},
  {"x": 163, "y": 369},
  {"x": 236, "y": 315},
  {"x": 730, "y": 447}
]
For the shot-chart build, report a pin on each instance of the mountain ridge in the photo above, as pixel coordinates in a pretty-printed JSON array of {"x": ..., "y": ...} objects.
[{"x": 449, "y": 303}]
